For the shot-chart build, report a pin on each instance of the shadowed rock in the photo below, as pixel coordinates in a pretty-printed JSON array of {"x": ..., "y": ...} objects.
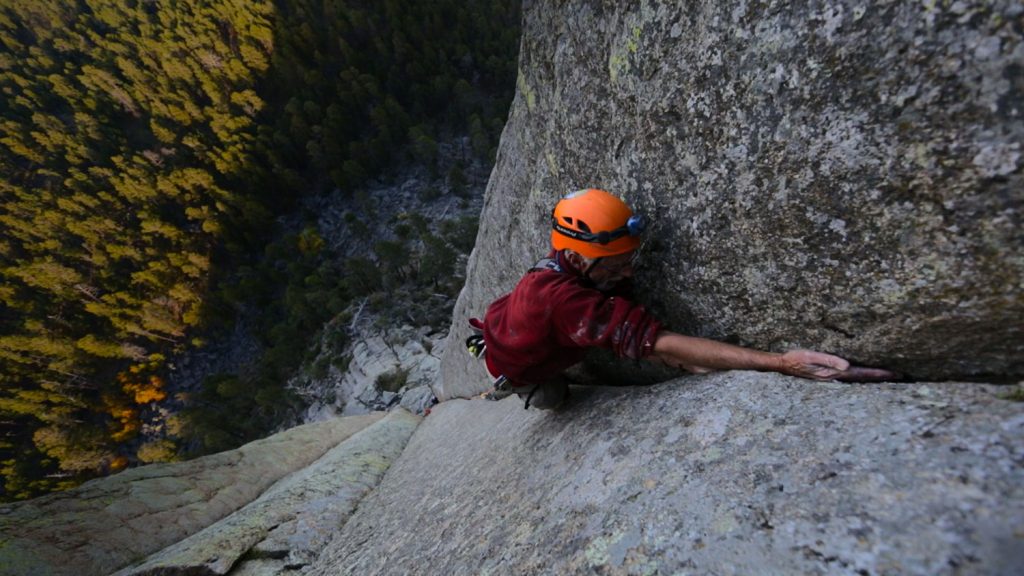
[
  {"x": 840, "y": 176},
  {"x": 107, "y": 523},
  {"x": 733, "y": 473}
]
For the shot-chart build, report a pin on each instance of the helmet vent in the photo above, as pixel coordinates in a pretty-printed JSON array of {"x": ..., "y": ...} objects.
[
  {"x": 582, "y": 226},
  {"x": 567, "y": 220}
]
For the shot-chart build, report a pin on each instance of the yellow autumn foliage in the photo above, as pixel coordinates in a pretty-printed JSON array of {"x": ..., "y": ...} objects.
[
  {"x": 118, "y": 463},
  {"x": 147, "y": 395}
]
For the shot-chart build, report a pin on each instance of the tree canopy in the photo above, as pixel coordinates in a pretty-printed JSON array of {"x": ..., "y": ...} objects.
[{"x": 145, "y": 145}]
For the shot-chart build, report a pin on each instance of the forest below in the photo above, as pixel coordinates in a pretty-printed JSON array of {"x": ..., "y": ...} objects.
[{"x": 146, "y": 149}]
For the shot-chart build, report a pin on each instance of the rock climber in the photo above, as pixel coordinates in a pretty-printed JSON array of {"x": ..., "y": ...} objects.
[{"x": 579, "y": 298}]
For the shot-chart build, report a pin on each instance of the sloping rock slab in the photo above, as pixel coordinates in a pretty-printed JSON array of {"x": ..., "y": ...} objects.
[
  {"x": 108, "y": 523},
  {"x": 296, "y": 517},
  {"x": 734, "y": 473}
]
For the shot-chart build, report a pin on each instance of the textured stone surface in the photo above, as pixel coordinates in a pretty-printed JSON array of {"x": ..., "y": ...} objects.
[
  {"x": 734, "y": 473},
  {"x": 836, "y": 175},
  {"x": 414, "y": 352},
  {"x": 295, "y": 518},
  {"x": 105, "y": 524}
]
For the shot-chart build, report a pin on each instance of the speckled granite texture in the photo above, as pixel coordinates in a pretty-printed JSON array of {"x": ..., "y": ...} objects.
[
  {"x": 836, "y": 175},
  {"x": 734, "y": 473}
]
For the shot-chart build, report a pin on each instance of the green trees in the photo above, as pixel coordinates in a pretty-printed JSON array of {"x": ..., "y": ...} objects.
[
  {"x": 368, "y": 79},
  {"x": 144, "y": 149}
]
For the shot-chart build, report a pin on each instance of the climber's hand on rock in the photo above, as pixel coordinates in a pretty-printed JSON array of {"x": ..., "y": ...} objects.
[
  {"x": 821, "y": 366},
  {"x": 813, "y": 365}
]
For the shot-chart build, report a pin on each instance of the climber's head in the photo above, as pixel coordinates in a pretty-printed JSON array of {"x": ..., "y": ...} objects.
[
  {"x": 601, "y": 231},
  {"x": 595, "y": 224}
]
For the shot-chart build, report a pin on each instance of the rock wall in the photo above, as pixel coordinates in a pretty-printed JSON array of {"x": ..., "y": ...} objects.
[
  {"x": 836, "y": 175},
  {"x": 733, "y": 473}
]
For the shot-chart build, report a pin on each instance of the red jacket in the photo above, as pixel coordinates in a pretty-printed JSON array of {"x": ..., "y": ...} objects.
[{"x": 548, "y": 321}]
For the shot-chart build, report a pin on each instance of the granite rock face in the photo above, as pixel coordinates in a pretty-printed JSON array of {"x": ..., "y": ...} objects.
[
  {"x": 733, "y": 473},
  {"x": 408, "y": 358},
  {"x": 838, "y": 175},
  {"x": 108, "y": 523}
]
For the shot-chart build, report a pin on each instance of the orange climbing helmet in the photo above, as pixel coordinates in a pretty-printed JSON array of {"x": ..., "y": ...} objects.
[{"x": 595, "y": 224}]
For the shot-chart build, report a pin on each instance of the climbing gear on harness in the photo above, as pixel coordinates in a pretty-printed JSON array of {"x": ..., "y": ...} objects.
[
  {"x": 501, "y": 387},
  {"x": 476, "y": 346},
  {"x": 475, "y": 343},
  {"x": 595, "y": 224}
]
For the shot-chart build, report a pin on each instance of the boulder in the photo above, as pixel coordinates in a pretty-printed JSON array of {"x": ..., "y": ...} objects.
[
  {"x": 110, "y": 522},
  {"x": 839, "y": 176},
  {"x": 731, "y": 473},
  {"x": 417, "y": 400}
]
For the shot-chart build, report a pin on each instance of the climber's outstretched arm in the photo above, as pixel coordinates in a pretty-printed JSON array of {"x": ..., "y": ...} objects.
[{"x": 703, "y": 355}]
